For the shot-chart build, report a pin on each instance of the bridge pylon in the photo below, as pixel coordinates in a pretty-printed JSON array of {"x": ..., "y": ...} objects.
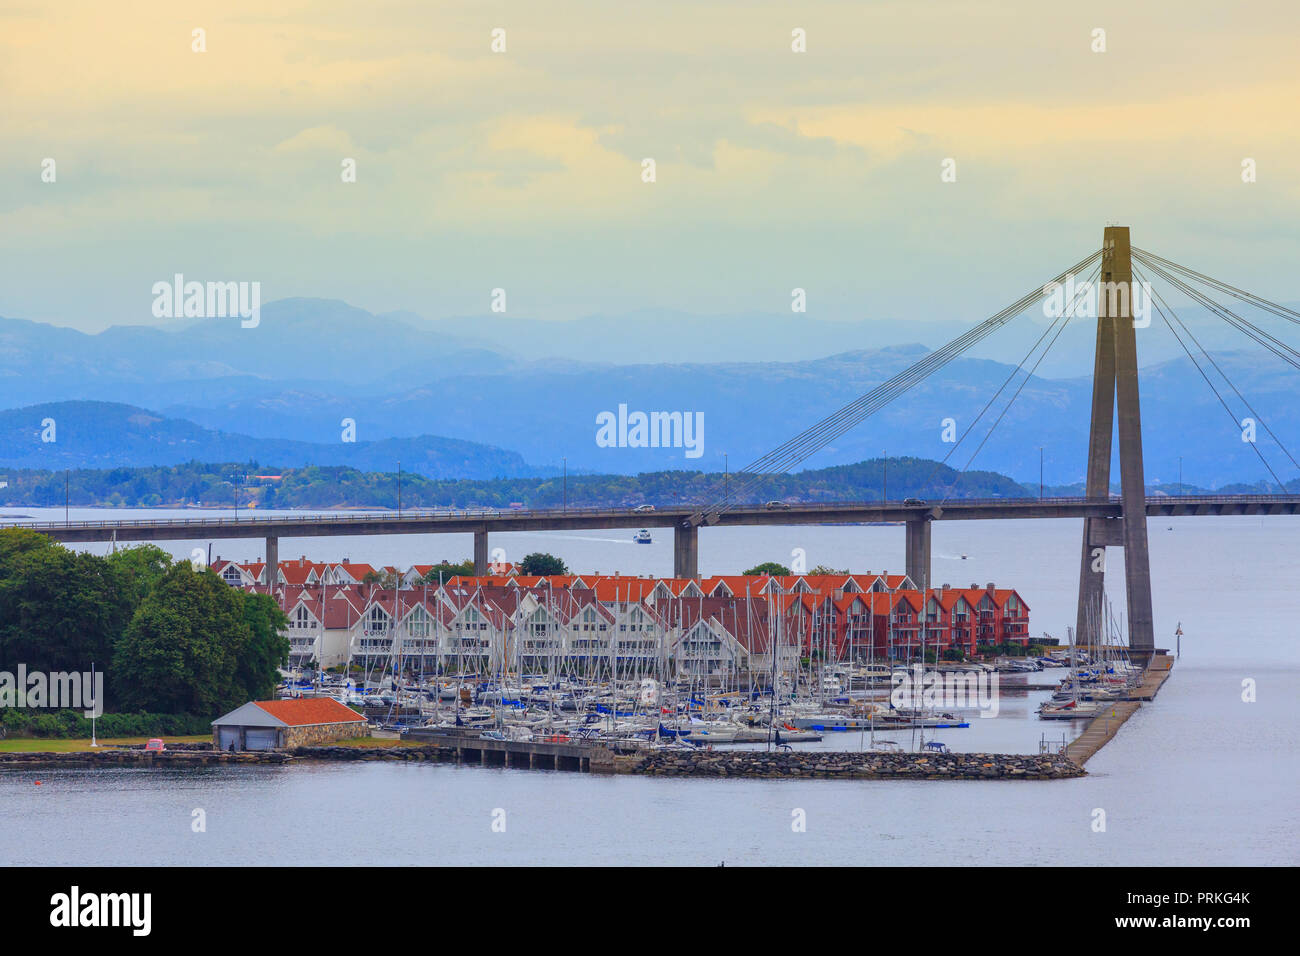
[{"x": 1115, "y": 397}]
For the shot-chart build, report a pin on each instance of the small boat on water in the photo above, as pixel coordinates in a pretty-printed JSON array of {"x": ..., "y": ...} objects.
[
  {"x": 474, "y": 717},
  {"x": 642, "y": 537},
  {"x": 1070, "y": 710}
]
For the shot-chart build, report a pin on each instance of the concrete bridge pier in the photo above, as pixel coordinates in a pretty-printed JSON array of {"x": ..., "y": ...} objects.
[
  {"x": 481, "y": 552},
  {"x": 917, "y": 557},
  {"x": 1116, "y": 406},
  {"x": 272, "y": 560},
  {"x": 686, "y": 551}
]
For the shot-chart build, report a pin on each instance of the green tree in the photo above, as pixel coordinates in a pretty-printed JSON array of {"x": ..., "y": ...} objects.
[
  {"x": 140, "y": 569},
  {"x": 179, "y": 653},
  {"x": 541, "y": 564},
  {"x": 822, "y": 569},
  {"x": 769, "y": 567},
  {"x": 59, "y": 610},
  {"x": 266, "y": 649},
  {"x": 448, "y": 571},
  {"x": 18, "y": 541}
]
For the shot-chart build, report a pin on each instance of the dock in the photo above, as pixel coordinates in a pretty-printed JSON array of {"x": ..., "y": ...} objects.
[
  {"x": 1157, "y": 673},
  {"x": 535, "y": 754},
  {"x": 1102, "y": 728}
]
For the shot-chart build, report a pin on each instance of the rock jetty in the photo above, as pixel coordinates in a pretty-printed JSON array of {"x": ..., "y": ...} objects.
[
  {"x": 852, "y": 766},
  {"x": 656, "y": 763}
]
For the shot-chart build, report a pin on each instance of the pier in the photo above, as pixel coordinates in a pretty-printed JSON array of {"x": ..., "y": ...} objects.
[
  {"x": 534, "y": 754},
  {"x": 1103, "y": 728}
]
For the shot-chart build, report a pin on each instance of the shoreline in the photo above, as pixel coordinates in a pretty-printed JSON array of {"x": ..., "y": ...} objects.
[{"x": 845, "y": 765}]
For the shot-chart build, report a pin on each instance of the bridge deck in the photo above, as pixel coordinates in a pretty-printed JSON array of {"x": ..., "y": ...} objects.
[{"x": 855, "y": 512}]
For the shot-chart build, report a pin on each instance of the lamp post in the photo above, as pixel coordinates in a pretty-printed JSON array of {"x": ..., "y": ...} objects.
[
  {"x": 726, "y": 477},
  {"x": 1180, "y": 476},
  {"x": 1040, "y": 472},
  {"x": 399, "y": 489},
  {"x": 565, "y": 503}
]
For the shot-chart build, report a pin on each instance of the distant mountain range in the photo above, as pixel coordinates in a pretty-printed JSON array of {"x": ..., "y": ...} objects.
[
  {"x": 508, "y": 397},
  {"x": 112, "y": 435}
]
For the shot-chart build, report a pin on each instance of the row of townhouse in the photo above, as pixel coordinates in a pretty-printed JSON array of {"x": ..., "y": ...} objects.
[
  {"x": 843, "y": 616},
  {"x": 627, "y": 624},
  {"x": 300, "y": 572}
]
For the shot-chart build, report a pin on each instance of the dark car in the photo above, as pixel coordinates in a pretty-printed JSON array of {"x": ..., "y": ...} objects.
[{"x": 916, "y": 502}]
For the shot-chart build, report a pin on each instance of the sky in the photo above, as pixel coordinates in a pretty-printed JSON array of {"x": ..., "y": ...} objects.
[{"x": 523, "y": 169}]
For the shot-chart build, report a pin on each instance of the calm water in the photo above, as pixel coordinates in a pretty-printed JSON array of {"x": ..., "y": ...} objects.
[{"x": 1198, "y": 777}]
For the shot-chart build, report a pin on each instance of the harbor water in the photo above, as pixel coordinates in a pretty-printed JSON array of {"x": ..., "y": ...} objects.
[{"x": 1200, "y": 776}]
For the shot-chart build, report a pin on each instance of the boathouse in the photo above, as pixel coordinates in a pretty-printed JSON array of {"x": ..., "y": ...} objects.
[{"x": 276, "y": 724}]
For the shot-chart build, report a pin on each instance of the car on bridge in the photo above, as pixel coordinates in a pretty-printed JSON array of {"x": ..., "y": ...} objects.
[
  {"x": 914, "y": 502},
  {"x": 640, "y": 508},
  {"x": 777, "y": 506}
]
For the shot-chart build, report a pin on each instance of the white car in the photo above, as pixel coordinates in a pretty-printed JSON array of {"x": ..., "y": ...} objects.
[{"x": 641, "y": 508}]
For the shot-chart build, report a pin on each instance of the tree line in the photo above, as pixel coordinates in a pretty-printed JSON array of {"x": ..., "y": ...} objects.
[
  {"x": 169, "y": 639},
  {"x": 224, "y": 485}
]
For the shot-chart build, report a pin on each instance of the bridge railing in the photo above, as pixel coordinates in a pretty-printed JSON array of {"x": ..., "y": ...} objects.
[{"x": 363, "y": 518}]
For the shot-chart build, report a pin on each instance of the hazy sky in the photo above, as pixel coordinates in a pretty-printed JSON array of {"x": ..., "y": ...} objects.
[{"x": 522, "y": 169}]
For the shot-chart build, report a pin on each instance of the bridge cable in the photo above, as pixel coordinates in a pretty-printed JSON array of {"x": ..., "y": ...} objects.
[
  {"x": 1216, "y": 310},
  {"x": 1159, "y": 302},
  {"x": 987, "y": 405},
  {"x": 1246, "y": 327},
  {"x": 1291, "y": 315},
  {"x": 1064, "y": 320},
  {"x": 817, "y": 436},
  {"x": 853, "y": 413},
  {"x": 1224, "y": 375}
]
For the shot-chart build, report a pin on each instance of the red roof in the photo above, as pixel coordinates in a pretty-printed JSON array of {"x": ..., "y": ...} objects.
[{"x": 306, "y": 711}]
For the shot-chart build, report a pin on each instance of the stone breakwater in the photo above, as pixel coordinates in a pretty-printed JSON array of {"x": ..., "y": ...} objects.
[
  {"x": 130, "y": 757},
  {"x": 849, "y": 766},
  {"x": 699, "y": 763}
]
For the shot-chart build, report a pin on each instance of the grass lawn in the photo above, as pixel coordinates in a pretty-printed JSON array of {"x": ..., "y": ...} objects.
[{"x": 70, "y": 744}]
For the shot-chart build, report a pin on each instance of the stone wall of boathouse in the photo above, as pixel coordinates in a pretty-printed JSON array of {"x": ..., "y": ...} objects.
[{"x": 318, "y": 734}]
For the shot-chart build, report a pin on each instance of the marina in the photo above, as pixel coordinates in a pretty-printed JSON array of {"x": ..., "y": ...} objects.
[{"x": 1224, "y": 754}]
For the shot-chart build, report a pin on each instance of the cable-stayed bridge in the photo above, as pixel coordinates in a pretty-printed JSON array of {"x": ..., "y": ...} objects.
[{"x": 1108, "y": 520}]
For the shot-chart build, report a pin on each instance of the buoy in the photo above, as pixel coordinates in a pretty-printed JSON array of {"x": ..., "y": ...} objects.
[{"x": 38, "y": 783}]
